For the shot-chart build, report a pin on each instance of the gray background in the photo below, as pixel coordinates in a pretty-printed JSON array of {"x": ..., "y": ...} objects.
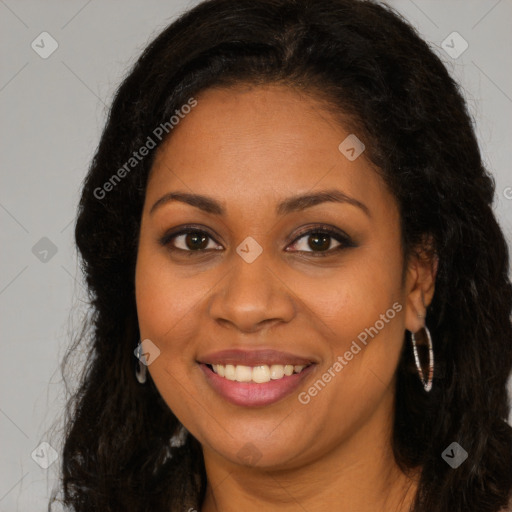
[{"x": 52, "y": 113}]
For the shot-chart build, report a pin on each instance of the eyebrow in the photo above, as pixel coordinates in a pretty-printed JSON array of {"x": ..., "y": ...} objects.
[{"x": 290, "y": 205}]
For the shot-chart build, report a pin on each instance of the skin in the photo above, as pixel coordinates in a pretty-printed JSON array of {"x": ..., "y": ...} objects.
[{"x": 250, "y": 148}]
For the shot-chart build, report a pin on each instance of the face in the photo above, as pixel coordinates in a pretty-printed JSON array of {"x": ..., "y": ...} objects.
[{"x": 265, "y": 281}]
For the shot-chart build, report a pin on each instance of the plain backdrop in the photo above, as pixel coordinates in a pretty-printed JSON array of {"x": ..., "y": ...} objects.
[{"x": 52, "y": 113}]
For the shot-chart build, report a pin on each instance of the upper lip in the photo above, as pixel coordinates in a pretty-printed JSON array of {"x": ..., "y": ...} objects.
[{"x": 253, "y": 358}]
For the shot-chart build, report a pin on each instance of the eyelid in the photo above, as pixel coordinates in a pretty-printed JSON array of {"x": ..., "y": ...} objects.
[
  {"x": 344, "y": 239},
  {"x": 184, "y": 230},
  {"x": 322, "y": 228}
]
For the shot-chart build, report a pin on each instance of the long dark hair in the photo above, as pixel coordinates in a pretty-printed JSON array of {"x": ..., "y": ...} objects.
[{"x": 371, "y": 67}]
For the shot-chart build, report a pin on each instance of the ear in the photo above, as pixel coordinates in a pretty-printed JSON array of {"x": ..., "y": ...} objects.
[{"x": 420, "y": 281}]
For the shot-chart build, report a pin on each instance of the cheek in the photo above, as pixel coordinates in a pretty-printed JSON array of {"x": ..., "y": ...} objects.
[
  {"x": 364, "y": 352},
  {"x": 353, "y": 297},
  {"x": 163, "y": 310},
  {"x": 165, "y": 307},
  {"x": 164, "y": 301},
  {"x": 362, "y": 309}
]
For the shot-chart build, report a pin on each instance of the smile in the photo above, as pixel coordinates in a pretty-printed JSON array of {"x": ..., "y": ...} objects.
[
  {"x": 257, "y": 374},
  {"x": 255, "y": 378},
  {"x": 256, "y": 386}
]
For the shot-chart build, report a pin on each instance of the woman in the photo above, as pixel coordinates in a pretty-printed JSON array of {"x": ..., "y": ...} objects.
[{"x": 300, "y": 291}]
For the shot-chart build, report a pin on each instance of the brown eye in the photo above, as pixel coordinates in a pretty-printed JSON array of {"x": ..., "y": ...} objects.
[
  {"x": 316, "y": 242},
  {"x": 196, "y": 241},
  {"x": 319, "y": 241},
  {"x": 189, "y": 240}
]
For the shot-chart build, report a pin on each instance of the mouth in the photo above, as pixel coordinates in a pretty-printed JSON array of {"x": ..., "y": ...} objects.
[{"x": 255, "y": 378}]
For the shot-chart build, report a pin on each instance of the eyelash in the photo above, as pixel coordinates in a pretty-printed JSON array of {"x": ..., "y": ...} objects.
[{"x": 344, "y": 240}]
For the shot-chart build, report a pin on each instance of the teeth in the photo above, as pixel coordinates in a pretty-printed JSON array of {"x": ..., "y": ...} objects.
[
  {"x": 261, "y": 374},
  {"x": 243, "y": 373},
  {"x": 258, "y": 374},
  {"x": 229, "y": 371},
  {"x": 276, "y": 371}
]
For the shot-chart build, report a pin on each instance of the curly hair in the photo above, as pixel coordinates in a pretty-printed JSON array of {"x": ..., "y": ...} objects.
[{"x": 371, "y": 67}]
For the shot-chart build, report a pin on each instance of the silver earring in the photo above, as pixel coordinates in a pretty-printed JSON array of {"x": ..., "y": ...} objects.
[
  {"x": 427, "y": 383},
  {"x": 180, "y": 438},
  {"x": 140, "y": 367}
]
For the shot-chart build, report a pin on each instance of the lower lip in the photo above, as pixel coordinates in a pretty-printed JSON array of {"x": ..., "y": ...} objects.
[{"x": 251, "y": 394}]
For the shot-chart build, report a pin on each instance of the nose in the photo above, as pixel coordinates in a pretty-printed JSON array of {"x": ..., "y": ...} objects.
[{"x": 252, "y": 296}]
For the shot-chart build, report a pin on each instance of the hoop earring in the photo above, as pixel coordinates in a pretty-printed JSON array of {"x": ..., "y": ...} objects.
[
  {"x": 427, "y": 383},
  {"x": 140, "y": 368}
]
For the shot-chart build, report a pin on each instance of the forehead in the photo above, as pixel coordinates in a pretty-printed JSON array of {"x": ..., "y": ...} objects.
[{"x": 251, "y": 144}]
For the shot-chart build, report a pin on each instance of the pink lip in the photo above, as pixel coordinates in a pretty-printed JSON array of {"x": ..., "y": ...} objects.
[
  {"x": 251, "y": 394},
  {"x": 253, "y": 358}
]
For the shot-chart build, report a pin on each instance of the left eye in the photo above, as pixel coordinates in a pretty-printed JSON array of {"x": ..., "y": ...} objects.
[{"x": 319, "y": 241}]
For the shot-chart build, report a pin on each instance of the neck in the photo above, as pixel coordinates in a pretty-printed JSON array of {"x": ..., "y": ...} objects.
[{"x": 358, "y": 474}]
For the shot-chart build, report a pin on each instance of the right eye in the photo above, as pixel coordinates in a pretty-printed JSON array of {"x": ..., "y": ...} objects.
[{"x": 190, "y": 240}]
